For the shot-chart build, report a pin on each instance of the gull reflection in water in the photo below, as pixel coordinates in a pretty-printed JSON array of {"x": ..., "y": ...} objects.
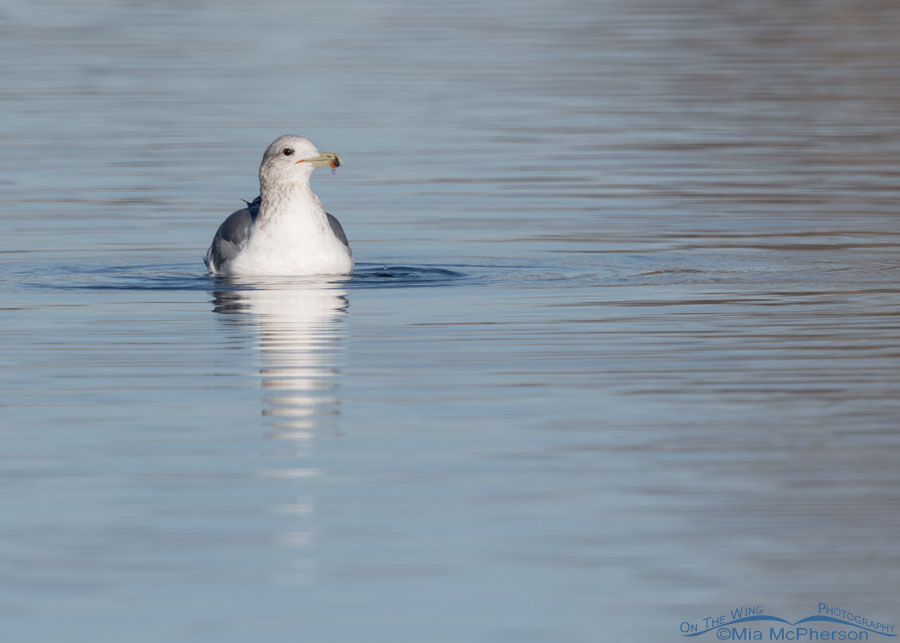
[{"x": 299, "y": 332}]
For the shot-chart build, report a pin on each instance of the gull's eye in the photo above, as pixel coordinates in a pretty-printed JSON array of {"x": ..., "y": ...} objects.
[{"x": 287, "y": 151}]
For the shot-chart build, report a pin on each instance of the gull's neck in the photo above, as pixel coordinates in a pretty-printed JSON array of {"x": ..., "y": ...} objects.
[{"x": 281, "y": 199}]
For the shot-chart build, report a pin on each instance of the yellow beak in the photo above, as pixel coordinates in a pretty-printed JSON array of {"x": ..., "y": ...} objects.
[{"x": 326, "y": 159}]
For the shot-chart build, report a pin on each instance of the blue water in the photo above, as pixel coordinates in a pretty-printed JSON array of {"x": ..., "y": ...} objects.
[{"x": 620, "y": 351}]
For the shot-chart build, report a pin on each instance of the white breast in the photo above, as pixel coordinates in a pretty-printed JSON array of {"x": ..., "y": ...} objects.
[{"x": 292, "y": 237}]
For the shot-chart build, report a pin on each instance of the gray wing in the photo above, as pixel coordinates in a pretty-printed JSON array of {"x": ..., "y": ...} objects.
[
  {"x": 337, "y": 229},
  {"x": 231, "y": 237}
]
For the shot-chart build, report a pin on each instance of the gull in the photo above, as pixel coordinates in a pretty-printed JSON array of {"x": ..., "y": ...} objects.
[{"x": 285, "y": 231}]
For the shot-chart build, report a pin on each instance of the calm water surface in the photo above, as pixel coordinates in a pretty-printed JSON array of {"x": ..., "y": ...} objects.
[{"x": 621, "y": 350}]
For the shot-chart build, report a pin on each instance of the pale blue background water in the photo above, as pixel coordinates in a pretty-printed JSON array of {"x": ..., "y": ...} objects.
[{"x": 633, "y": 359}]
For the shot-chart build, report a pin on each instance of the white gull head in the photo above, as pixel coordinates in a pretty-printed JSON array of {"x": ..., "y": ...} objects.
[{"x": 290, "y": 160}]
